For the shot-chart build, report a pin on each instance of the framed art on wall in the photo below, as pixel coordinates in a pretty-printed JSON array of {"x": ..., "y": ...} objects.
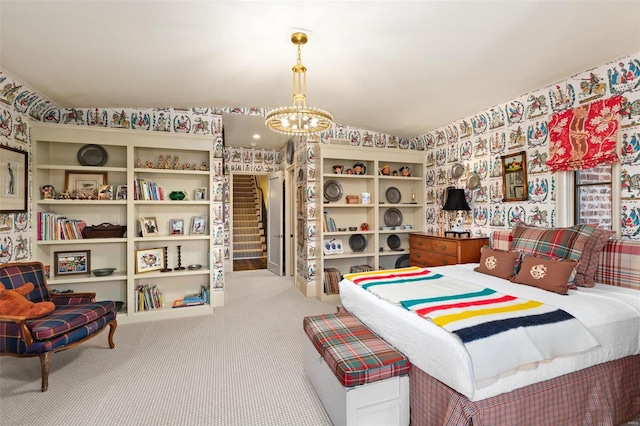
[
  {"x": 13, "y": 180},
  {"x": 72, "y": 262}
]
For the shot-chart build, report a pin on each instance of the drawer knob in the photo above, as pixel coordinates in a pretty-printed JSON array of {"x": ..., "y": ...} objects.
[
  {"x": 419, "y": 243},
  {"x": 443, "y": 247},
  {"x": 418, "y": 256},
  {"x": 445, "y": 261}
]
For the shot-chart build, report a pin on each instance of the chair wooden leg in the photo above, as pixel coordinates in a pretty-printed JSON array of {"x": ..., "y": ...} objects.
[
  {"x": 45, "y": 362},
  {"x": 112, "y": 329}
]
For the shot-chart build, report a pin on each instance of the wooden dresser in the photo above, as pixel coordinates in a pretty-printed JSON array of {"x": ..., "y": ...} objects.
[{"x": 434, "y": 250}]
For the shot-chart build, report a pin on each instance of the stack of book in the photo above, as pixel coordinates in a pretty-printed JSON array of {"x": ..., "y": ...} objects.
[
  {"x": 53, "y": 226},
  {"x": 332, "y": 277},
  {"x": 328, "y": 224},
  {"x": 143, "y": 190},
  {"x": 148, "y": 298},
  {"x": 194, "y": 299}
]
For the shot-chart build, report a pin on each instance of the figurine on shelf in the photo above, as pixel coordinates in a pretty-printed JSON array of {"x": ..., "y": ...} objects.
[
  {"x": 176, "y": 163},
  {"x": 185, "y": 166},
  {"x": 195, "y": 166},
  {"x": 139, "y": 163},
  {"x": 48, "y": 192},
  {"x": 161, "y": 162},
  {"x": 385, "y": 170},
  {"x": 148, "y": 165},
  {"x": 204, "y": 166},
  {"x": 167, "y": 164},
  {"x": 405, "y": 171}
]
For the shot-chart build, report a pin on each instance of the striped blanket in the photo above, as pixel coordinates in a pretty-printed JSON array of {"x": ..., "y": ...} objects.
[{"x": 501, "y": 333}]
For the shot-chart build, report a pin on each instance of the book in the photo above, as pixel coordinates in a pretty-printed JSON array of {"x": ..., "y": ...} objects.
[{"x": 180, "y": 303}]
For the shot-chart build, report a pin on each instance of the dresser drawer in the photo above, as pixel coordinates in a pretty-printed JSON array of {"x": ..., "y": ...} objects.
[
  {"x": 429, "y": 258},
  {"x": 445, "y": 247},
  {"x": 420, "y": 243}
]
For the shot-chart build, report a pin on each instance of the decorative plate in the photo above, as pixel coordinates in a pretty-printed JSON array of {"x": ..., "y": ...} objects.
[
  {"x": 473, "y": 181},
  {"x": 393, "y": 217},
  {"x": 332, "y": 190},
  {"x": 92, "y": 155},
  {"x": 393, "y": 241},
  {"x": 457, "y": 170},
  {"x": 358, "y": 242},
  {"x": 393, "y": 195},
  {"x": 403, "y": 262}
]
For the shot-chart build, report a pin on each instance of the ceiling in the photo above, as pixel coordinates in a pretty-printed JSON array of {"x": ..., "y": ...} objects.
[{"x": 398, "y": 67}]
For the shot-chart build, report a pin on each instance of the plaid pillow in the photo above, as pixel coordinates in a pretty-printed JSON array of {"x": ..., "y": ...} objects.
[
  {"x": 501, "y": 240},
  {"x": 554, "y": 243},
  {"x": 619, "y": 264},
  {"x": 586, "y": 270}
]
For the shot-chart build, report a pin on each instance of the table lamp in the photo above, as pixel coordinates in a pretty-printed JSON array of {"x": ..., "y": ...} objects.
[{"x": 456, "y": 202}]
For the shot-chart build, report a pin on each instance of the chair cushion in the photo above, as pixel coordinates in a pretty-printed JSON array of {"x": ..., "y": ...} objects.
[{"x": 68, "y": 317}]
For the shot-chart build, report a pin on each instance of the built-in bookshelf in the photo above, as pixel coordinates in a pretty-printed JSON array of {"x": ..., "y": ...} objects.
[
  {"x": 167, "y": 264},
  {"x": 370, "y": 211}
]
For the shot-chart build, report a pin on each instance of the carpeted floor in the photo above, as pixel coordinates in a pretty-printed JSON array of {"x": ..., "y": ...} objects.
[{"x": 243, "y": 365}]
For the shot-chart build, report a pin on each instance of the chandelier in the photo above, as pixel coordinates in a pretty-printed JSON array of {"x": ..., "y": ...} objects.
[{"x": 298, "y": 119}]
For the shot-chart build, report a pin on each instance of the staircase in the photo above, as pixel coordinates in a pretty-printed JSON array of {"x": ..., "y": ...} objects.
[{"x": 249, "y": 241}]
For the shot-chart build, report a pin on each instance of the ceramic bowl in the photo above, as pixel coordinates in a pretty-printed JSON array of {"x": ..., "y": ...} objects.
[
  {"x": 103, "y": 272},
  {"x": 342, "y": 229},
  {"x": 353, "y": 228}
]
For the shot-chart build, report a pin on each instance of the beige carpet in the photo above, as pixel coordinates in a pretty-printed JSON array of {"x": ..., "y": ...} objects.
[{"x": 243, "y": 365}]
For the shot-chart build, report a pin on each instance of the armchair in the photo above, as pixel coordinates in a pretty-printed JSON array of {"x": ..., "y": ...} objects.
[{"x": 77, "y": 318}]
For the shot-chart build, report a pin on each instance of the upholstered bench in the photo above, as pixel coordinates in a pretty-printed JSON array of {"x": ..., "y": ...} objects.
[{"x": 360, "y": 378}]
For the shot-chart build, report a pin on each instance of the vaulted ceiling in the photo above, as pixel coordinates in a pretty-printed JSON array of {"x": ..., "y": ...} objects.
[{"x": 397, "y": 67}]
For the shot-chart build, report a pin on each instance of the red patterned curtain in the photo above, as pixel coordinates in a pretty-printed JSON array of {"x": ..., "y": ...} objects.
[{"x": 584, "y": 137}]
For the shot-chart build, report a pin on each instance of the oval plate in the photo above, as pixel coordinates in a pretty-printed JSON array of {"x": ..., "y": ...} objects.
[
  {"x": 92, "y": 155},
  {"x": 393, "y": 217},
  {"x": 403, "y": 262},
  {"x": 393, "y": 241},
  {"x": 332, "y": 190},
  {"x": 393, "y": 195},
  {"x": 358, "y": 242}
]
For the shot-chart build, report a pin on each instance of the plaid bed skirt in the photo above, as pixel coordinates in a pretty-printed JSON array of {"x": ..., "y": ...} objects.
[
  {"x": 603, "y": 395},
  {"x": 352, "y": 351}
]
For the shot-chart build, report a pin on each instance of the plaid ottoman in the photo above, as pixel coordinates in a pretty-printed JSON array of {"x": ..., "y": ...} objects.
[{"x": 359, "y": 377}]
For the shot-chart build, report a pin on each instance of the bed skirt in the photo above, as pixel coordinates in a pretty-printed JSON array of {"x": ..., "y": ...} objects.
[{"x": 607, "y": 394}]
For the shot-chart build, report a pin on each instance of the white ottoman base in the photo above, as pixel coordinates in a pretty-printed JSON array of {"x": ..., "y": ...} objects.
[{"x": 384, "y": 403}]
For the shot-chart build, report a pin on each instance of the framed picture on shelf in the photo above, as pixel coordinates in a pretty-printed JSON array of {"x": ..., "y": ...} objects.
[
  {"x": 72, "y": 262},
  {"x": 121, "y": 193},
  {"x": 176, "y": 227},
  {"x": 105, "y": 192},
  {"x": 13, "y": 180},
  {"x": 84, "y": 184},
  {"x": 149, "y": 226},
  {"x": 148, "y": 260},
  {"x": 198, "y": 225},
  {"x": 200, "y": 194}
]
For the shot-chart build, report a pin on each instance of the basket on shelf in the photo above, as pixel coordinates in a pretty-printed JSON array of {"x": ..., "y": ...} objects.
[{"x": 104, "y": 230}]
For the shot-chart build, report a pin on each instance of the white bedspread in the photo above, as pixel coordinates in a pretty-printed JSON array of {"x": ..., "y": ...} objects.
[{"x": 611, "y": 314}]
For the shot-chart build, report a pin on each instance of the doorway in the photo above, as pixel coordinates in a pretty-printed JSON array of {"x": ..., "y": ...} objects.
[{"x": 249, "y": 201}]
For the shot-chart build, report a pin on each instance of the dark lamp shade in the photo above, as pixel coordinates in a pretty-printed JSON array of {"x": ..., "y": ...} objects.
[{"x": 456, "y": 200}]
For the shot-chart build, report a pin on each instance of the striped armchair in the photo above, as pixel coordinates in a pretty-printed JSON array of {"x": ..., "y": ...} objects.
[{"x": 76, "y": 318}]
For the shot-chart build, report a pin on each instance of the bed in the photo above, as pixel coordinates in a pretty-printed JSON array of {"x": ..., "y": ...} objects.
[{"x": 598, "y": 386}]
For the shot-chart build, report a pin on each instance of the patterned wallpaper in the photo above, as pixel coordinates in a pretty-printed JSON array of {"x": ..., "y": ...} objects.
[{"x": 478, "y": 141}]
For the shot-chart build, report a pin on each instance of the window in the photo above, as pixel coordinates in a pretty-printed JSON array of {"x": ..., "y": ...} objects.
[{"x": 593, "y": 197}]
